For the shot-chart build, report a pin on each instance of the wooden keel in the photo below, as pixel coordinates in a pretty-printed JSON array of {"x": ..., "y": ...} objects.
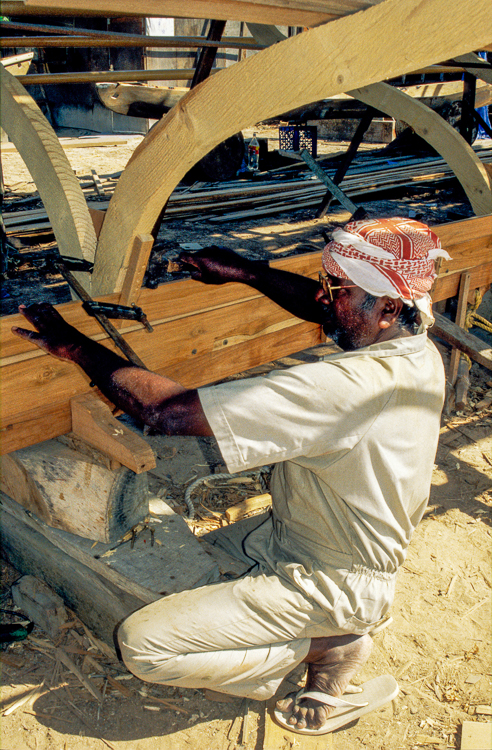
[{"x": 99, "y": 603}]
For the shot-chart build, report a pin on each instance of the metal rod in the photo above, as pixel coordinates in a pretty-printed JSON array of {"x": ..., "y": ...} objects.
[
  {"x": 363, "y": 125},
  {"x": 123, "y": 40},
  {"x": 106, "y": 76},
  {"x": 102, "y": 319},
  {"x": 343, "y": 199}
]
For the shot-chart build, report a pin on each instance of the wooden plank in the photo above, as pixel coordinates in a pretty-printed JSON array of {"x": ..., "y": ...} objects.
[
  {"x": 49, "y": 418},
  {"x": 476, "y": 348},
  {"x": 137, "y": 266},
  {"x": 93, "y": 422},
  {"x": 448, "y": 286},
  {"x": 166, "y": 303},
  {"x": 292, "y": 13},
  {"x": 188, "y": 344},
  {"x": 460, "y": 321},
  {"x": 311, "y": 66}
]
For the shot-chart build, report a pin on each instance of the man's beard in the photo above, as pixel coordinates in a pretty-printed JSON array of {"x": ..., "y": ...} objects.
[{"x": 347, "y": 337}]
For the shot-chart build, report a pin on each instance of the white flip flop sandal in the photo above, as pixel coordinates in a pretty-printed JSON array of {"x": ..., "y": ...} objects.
[{"x": 375, "y": 693}]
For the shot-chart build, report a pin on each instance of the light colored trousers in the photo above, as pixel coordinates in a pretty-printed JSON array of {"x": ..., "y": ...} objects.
[{"x": 240, "y": 637}]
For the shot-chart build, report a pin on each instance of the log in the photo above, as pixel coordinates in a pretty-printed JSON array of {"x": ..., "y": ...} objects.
[
  {"x": 99, "y": 603},
  {"x": 103, "y": 584},
  {"x": 68, "y": 490}
]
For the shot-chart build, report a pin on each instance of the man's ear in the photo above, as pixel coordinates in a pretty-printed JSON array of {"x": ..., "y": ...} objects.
[{"x": 390, "y": 312}]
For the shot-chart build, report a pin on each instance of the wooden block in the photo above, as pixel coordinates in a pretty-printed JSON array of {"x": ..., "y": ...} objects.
[
  {"x": 278, "y": 738},
  {"x": 139, "y": 258},
  {"x": 40, "y": 604},
  {"x": 69, "y": 491},
  {"x": 251, "y": 504},
  {"x": 460, "y": 321},
  {"x": 476, "y": 735},
  {"x": 93, "y": 422}
]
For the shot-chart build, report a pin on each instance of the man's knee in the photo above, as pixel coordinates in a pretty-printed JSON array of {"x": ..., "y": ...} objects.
[{"x": 137, "y": 652}]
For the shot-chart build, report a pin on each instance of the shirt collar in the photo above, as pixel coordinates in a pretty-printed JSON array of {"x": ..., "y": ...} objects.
[{"x": 393, "y": 347}]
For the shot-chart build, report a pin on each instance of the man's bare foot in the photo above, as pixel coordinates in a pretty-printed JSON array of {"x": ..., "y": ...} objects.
[{"x": 332, "y": 663}]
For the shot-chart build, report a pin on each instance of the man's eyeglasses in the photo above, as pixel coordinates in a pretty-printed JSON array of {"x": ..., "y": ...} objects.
[{"x": 324, "y": 282}]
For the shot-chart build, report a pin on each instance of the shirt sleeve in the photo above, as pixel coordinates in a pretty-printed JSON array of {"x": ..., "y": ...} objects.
[{"x": 308, "y": 410}]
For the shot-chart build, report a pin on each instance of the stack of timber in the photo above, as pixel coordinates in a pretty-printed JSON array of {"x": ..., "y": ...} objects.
[{"x": 276, "y": 193}]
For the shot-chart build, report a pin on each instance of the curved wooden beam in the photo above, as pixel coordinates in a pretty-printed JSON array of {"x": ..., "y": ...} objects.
[
  {"x": 439, "y": 134},
  {"x": 58, "y": 187},
  {"x": 320, "y": 62}
]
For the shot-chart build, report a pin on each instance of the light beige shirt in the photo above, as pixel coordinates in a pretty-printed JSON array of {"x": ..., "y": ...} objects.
[{"x": 354, "y": 439}]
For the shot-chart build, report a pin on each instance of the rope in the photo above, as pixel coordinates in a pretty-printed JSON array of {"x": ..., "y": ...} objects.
[
  {"x": 260, "y": 471},
  {"x": 473, "y": 319}
]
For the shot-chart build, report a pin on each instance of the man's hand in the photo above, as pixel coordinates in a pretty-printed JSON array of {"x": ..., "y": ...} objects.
[
  {"x": 217, "y": 265},
  {"x": 55, "y": 336}
]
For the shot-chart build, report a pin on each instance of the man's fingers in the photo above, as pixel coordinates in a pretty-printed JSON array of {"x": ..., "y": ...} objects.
[
  {"x": 24, "y": 333},
  {"x": 41, "y": 315}
]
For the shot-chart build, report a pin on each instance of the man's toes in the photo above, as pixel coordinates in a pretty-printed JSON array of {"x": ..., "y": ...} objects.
[{"x": 287, "y": 703}]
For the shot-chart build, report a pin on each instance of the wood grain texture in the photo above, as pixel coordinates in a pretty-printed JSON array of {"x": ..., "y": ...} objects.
[
  {"x": 248, "y": 92},
  {"x": 137, "y": 266},
  {"x": 477, "y": 349},
  {"x": 100, "y": 600},
  {"x": 58, "y": 187},
  {"x": 290, "y": 12}
]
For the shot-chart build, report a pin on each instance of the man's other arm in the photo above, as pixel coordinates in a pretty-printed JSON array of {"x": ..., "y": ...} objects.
[{"x": 295, "y": 293}]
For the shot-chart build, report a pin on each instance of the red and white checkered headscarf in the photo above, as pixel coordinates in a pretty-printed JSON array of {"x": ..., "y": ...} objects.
[{"x": 387, "y": 257}]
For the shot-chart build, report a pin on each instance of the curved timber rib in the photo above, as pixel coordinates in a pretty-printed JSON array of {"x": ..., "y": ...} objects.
[
  {"x": 58, "y": 187},
  {"x": 440, "y": 134},
  {"x": 402, "y": 105},
  {"x": 321, "y": 62}
]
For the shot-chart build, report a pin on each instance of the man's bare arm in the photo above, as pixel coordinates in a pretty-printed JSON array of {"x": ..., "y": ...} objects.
[
  {"x": 155, "y": 400},
  {"x": 295, "y": 293}
]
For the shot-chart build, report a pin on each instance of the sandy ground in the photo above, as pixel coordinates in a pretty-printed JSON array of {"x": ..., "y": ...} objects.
[{"x": 437, "y": 647}]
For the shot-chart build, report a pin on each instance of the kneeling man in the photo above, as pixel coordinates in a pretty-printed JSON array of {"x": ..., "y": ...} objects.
[{"x": 353, "y": 439}]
